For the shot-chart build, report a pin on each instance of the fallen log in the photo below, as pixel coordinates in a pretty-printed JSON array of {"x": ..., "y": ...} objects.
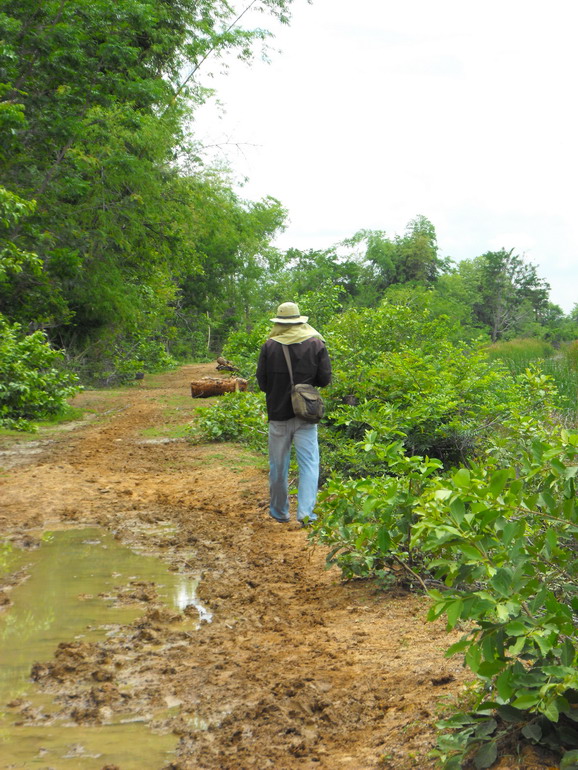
[{"x": 213, "y": 386}]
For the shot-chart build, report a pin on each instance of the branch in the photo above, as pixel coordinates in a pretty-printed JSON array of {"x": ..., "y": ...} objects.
[
  {"x": 209, "y": 52},
  {"x": 409, "y": 569}
]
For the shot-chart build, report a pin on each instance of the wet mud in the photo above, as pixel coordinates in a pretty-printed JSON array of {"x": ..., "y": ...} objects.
[{"x": 270, "y": 662}]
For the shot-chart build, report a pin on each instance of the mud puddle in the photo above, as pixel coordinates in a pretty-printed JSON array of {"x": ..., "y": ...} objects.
[{"x": 82, "y": 585}]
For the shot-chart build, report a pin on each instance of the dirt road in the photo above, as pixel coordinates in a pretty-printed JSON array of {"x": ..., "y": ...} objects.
[{"x": 295, "y": 670}]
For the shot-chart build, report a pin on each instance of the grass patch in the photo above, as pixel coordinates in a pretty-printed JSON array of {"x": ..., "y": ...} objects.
[
  {"x": 156, "y": 380},
  {"x": 520, "y": 353},
  {"x": 165, "y": 431},
  {"x": 19, "y": 434},
  {"x": 176, "y": 417},
  {"x": 561, "y": 366},
  {"x": 70, "y": 414},
  {"x": 250, "y": 461},
  {"x": 237, "y": 457},
  {"x": 180, "y": 401}
]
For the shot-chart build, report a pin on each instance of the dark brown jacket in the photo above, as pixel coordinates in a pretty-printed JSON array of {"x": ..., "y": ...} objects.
[{"x": 310, "y": 363}]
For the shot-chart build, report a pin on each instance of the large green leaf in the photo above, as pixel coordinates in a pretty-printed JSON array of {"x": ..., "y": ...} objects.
[{"x": 486, "y": 755}]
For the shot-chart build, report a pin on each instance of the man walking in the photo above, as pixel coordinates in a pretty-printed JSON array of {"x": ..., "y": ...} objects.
[{"x": 310, "y": 363}]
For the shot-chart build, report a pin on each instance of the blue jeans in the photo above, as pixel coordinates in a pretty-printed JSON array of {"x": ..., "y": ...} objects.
[{"x": 303, "y": 435}]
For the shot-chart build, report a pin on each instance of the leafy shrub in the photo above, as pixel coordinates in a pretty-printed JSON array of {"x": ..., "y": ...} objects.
[
  {"x": 500, "y": 546},
  {"x": 242, "y": 348},
  {"x": 143, "y": 354},
  {"x": 502, "y": 543},
  {"x": 367, "y": 522},
  {"x": 407, "y": 379},
  {"x": 240, "y": 417},
  {"x": 32, "y": 386},
  {"x": 494, "y": 545}
]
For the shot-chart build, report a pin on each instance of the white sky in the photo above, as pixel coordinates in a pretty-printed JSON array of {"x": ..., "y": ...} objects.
[{"x": 374, "y": 112}]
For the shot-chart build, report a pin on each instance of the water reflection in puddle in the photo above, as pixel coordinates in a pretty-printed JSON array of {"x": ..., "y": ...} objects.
[
  {"x": 126, "y": 746},
  {"x": 60, "y": 602}
]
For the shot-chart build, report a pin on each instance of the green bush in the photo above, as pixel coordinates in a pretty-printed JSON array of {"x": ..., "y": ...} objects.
[
  {"x": 502, "y": 544},
  {"x": 398, "y": 371},
  {"x": 32, "y": 384},
  {"x": 243, "y": 347},
  {"x": 494, "y": 545},
  {"x": 366, "y": 522},
  {"x": 496, "y": 550},
  {"x": 141, "y": 354},
  {"x": 240, "y": 417}
]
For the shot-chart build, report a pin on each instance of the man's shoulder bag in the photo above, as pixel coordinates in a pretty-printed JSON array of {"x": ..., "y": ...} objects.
[{"x": 305, "y": 399}]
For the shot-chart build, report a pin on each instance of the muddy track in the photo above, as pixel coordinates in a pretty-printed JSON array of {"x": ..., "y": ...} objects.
[{"x": 296, "y": 669}]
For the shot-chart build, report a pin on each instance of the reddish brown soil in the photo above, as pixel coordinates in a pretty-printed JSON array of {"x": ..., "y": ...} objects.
[{"x": 296, "y": 670}]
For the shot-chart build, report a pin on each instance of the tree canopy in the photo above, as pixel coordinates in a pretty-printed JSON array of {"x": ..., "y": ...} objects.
[{"x": 116, "y": 214}]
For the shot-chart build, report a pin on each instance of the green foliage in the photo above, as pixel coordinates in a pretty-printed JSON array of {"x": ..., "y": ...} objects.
[
  {"x": 502, "y": 542},
  {"x": 509, "y": 292},
  {"x": 240, "y": 417},
  {"x": 12, "y": 259},
  {"x": 499, "y": 544},
  {"x": 242, "y": 348},
  {"x": 411, "y": 258},
  {"x": 141, "y": 355},
  {"x": 494, "y": 542},
  {"x": 366, "y": 523},
  {"x": 226, "y": 292},
  {"x": 407, "y": 377},
  {"x": 318, "y": 274},
  {"x": 128, "y": 233},
  {"x": 519, "y": 354},
  {"x": 570, "y": 353},
  {"x": 32, "y": 384}
]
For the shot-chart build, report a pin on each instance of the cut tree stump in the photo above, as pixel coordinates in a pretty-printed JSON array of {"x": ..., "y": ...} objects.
[{"x": 213, "y": 386}]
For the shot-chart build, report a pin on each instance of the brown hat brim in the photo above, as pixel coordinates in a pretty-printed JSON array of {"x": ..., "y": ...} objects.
[{"x": 302, "y": 319}]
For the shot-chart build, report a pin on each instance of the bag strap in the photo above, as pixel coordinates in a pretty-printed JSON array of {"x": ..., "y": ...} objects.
[{"x": 288, "y": 359}]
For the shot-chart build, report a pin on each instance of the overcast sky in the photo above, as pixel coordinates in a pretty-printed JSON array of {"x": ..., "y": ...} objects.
[{"x": 374, "y": 112}]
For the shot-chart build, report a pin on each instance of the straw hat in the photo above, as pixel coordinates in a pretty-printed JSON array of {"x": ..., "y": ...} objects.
[{"x": 288, "y": 313}]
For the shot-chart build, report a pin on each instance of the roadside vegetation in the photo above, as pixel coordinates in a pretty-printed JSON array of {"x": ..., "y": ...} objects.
[
  {"x": 450, "y": 469},
  {"x": 449, "y": 448}
]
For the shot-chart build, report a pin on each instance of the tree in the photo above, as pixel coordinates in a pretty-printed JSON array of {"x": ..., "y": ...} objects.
[
  {"x": 418, "y": 252},
  {"x": 307, "y": 271},
  {"x": 93, "y": 104},
  {"x": 411, "y": 258},
  {"x": 222, "y": 286},
  {"x": 510, "y": 292}
]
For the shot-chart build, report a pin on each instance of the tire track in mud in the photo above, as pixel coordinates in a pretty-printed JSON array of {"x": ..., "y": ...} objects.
[{"x": 296, "y": 669}]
